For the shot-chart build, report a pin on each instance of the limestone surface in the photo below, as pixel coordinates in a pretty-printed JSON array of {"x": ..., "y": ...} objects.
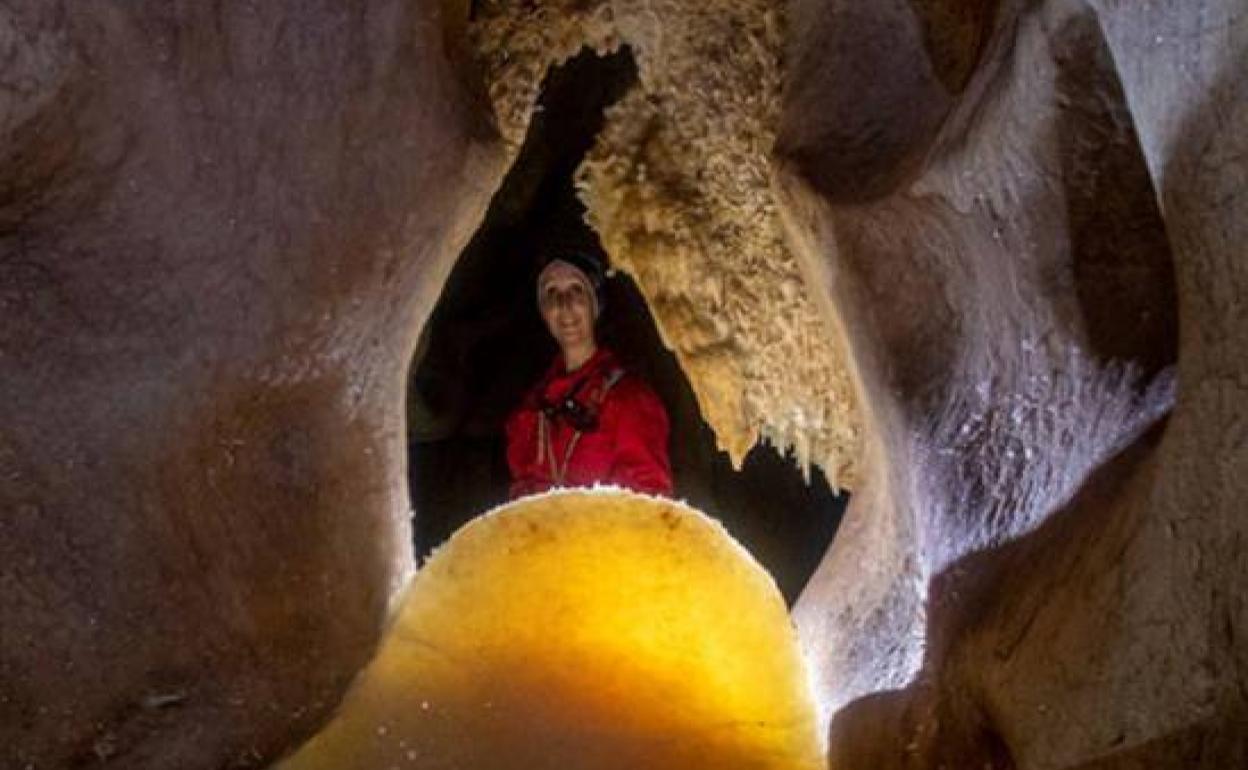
[
  {"x": 678, "y": 187},
  {"x": 582, "y": 629},
  {"x": 217, "y": 245},
  {"x": 1026, "y": 222},
  {"x": 1014, "y": 279}
]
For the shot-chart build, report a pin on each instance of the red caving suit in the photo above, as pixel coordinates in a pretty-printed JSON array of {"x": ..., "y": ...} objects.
[{"x": 622, "y": 435}]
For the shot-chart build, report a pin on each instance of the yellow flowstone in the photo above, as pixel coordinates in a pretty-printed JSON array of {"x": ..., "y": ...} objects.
[{"x": 583, "y": 629}]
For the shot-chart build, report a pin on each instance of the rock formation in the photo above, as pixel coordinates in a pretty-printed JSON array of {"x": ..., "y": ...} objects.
[
  {"x": 1036, "y": 570},
  {"x": 675, "y": 650},
  {"x": 221, "y": 228},
  {"x": 678, "y": 188},
  {"x": 988, "y": 274}
]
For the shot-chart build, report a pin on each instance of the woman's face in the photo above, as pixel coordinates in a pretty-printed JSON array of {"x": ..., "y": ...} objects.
[{"x": 567, "y": 307}]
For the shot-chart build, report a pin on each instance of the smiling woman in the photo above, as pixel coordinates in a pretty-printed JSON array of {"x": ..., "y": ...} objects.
[
  {"x": 588, "y": 420},
  {"x": 567, "y": 293}
]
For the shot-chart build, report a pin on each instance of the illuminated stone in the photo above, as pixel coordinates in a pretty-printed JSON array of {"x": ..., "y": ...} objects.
[
  {"x": 588, "y": 629},
  {"x": 678, "y": 189}
]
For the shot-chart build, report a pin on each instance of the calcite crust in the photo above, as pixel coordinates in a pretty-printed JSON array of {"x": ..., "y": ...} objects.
[
  {"x": 678, "y": 187},
  {"x": 582, "y": 629}
]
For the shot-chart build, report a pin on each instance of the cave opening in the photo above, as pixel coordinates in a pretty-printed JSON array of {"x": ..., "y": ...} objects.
[{"x": 485, "y": 344}]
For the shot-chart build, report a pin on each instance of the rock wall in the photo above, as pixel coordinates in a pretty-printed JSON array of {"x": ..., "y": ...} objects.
[
  {"x": 221, "y": 227},
  {"x": 1008, "y": 311},
  {"x": 1036, "y": 570}
]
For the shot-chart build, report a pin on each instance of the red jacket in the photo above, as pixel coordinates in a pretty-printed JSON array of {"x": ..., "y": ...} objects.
[{"x": 622, "y": 437}]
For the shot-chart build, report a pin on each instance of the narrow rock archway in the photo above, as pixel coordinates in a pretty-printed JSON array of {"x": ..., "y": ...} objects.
[{"x": 484, "y": 345}]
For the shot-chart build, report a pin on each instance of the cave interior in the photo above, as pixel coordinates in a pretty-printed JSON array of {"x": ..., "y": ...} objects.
[{"x": 485, "y": 344}]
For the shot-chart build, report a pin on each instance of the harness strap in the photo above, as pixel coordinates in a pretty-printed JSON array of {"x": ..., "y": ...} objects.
[
  {"x": 612, "y": 378},
  {"x": 546, "y": 444}
]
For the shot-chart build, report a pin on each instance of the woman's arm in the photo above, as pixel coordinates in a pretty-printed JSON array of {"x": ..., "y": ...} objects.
[{"x": 641, "y": 436}]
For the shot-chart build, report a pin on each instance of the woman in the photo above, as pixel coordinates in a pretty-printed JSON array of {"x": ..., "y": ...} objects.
[{"x": 586, "y": 421}]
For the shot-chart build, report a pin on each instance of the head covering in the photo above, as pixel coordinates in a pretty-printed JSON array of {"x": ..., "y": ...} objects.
[{"x": 589, "y": 267}]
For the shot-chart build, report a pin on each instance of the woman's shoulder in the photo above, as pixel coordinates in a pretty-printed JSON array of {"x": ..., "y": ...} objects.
[
  {"x": 629, "y": 381},
  {"x": 630, "y": 388}
]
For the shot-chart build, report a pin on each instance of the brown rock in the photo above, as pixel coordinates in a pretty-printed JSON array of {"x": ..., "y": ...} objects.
[
  {"x": 220, "y": 229},
  {"x": 1030, "y": 577},
  {"x": 1013, "y": 240}
]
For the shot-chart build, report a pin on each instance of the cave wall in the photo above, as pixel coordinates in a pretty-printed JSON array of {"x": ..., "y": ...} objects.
[
  {"x": 977, "y": 220},
  {"x": 1057, "y": 588},
  {"x": 973, "y": 196},
  {"x": 221, "y": 227}
]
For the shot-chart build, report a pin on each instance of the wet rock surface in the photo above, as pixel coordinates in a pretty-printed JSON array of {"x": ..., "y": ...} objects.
[
  {"x": 219, "y": 234},
  {"x": 1056, "y": 553},
  {"x": 221, "y": 229},
  {"x": 595, "y": 629}
]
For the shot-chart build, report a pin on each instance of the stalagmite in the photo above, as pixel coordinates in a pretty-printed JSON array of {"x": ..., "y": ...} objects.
[{"x": 591, "y": 629}]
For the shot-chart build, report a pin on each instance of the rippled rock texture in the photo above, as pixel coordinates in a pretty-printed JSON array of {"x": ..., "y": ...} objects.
[
  {"x": 678, "y": 187},
  {"x": 980, "y": 260},
  {"x": 1026, "y": 220},
  {"x": 221, "y": 228}
]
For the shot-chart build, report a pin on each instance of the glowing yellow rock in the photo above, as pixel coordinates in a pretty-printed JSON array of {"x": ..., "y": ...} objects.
[{"x": 581, "y": 630}]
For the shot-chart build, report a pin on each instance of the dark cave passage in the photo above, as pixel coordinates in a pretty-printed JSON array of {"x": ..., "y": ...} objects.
[{"x": 485, "y": 344}]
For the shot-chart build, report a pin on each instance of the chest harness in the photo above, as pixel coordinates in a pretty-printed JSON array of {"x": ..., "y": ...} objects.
[{"x": 581, "y": 416}]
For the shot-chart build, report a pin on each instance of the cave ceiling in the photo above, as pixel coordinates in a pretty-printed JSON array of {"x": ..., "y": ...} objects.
[{"x": 678, "y": 186}]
